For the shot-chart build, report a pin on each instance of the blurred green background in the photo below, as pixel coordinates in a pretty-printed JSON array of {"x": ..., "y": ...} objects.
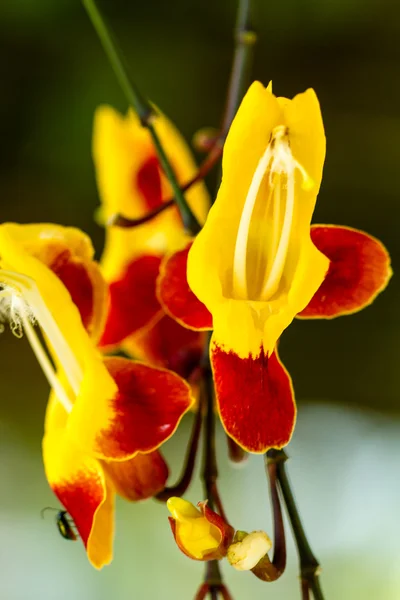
[{"x": 346, "y": 448}]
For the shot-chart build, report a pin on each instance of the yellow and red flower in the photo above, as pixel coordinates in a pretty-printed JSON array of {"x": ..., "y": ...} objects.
[
  {"x": 131, "y": 183},
  {"x": 200, "y": 533},
  {"x": 258, "y": 263},
  {"x": 106, "y": 417}
]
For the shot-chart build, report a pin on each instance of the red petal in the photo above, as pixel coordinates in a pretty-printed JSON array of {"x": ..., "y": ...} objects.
[
  {"x": 168, "y": 344},
  {"x": 255, "y": 399},
  {"x": 133, "y": 301},
  {"x": 148, "y": 408},
  {"x": 226, "y": 530},
  {"x": 359, "y": 270},
  {"x": 148, "y": 180},
  {"x": 140, "y": 477},
  {"x": 175, "y": 295},
  {"x": 81, "y": 499},
  {"x": 75, "y": 276},
  {"x": 79, "y": 482}
]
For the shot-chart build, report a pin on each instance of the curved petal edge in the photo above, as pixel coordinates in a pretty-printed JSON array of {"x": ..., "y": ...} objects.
[
  {"x": 359, "y": 270},
  {"x": 255, "y": 399},
  {"x": 177, "y": 298}
]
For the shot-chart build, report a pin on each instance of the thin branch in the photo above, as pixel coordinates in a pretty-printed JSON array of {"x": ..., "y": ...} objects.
[
  {"x": 213, "y": 575},
  {"x": 267, "y": 570},
  {"x": 184, "y": 481},
  {"x": 212, "y": 158},
  {"x": 236, "y": 453},
  {"x": 218, "y": 501},
  {"x": 279, "y": 559},
  {"x": 210, "y": 469},
  {"x": 202, "y": 592},
  {"x": 305, "y": 590},
  {"x": 224, "y": 592},
  {"x": 309, "y": 565},
  {"x": 245, "y": 39},
  {"x": 141, "y": 106}
]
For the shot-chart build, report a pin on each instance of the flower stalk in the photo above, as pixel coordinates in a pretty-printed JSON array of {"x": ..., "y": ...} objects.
[
  {"x": 309, "y": 565},
  {"x": 245, "y": 40},
  {"x": 210, "y": 472},
  {"x": 212, "y": 158},
  {"x": 190, "y": 461},
  {"x": 142, "y": 107},
  {"x": 268, "y": 570}
]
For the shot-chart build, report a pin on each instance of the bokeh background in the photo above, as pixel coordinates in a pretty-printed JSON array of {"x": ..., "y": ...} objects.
[{"x": 346, "y": 449}]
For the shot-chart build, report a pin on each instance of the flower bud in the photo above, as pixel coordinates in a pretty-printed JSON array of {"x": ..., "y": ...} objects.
[
  {"x": 205, "y": 138},
  {"x": 200, "y": 533},
  {"x": 249, "y": 550}
]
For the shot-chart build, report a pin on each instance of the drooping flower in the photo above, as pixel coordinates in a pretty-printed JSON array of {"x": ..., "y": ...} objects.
[
  {"x": 200, "y": 533},
  {"x": 257, "y": 264},
  {"x": 106, "y": 417},
  {"x": 131, "y": 183}
]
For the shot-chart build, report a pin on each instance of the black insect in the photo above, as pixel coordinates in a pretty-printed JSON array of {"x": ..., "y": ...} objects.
[{"x": 65, "y": 524}]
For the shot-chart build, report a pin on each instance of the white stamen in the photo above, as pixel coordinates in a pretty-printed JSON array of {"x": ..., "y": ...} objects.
[
  {"x": 26, "y": 305},
  {"x": 271, "y": 285},
  {"x": 280, "y": 162},
  {"x": 46, "y": 365},
  {"x": 29, "y": 290},
  {"x": 240, "y": 257}
]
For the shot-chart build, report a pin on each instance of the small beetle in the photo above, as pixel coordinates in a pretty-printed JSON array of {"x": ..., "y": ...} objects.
[{"x": 65, "y": 525}]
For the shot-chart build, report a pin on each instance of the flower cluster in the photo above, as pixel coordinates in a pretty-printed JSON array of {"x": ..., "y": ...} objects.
[{"x": 256, "y": 264}]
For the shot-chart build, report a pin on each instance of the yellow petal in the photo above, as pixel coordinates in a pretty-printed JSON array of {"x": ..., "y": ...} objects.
[
  {"x": 121, "y": 148},
  {"x": 68, "y": 252},
  {"x": 89, "y": 385},
  {"x": 246, "y": 322},
  {"x": 195, "y": 535},
  {"x": 80, "y": 484}
]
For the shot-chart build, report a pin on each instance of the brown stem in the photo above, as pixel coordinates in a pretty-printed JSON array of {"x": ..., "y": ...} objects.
[
  {"x": 268, "y": 570},
  {"x": 218, "y": 502},
  {"x": 184, "y": 481},
  {"x": 213, "y": 590},
  {"x": 236, "y": 452},
  {"x": 305, "y": 590},
  {"x": 225, "y": 593},
  {"x": 213, "y": 574},
  {"x": 202, "y": 592},
  {"x": 118, "y": 220},
  {"x": 279, "y": 559},
  {"x": 210, "y": 469},
  {"x": 309, "y": 565},
  {"x": 245, "y": 39}
]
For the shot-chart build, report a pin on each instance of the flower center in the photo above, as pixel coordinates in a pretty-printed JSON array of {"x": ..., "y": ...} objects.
[
  {"x": 265, "y": 226},
  {"x": 22, "y": 305}
]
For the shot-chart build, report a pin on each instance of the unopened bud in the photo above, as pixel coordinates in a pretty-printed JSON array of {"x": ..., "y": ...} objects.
[
  {"x": 205, "y": 138},
  {"x": 245, "y": 554}
]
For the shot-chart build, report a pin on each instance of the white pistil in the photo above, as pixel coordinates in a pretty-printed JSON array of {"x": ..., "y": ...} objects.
[
  {"x": 279, "y": 161},
  {"x": 274, "y": 275},
  {"x": 57, "y": 340},
  {"x": 26, "y": 303},
  {"x": 46, "y": 365},
  {"x": 240, "y": 257}
]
